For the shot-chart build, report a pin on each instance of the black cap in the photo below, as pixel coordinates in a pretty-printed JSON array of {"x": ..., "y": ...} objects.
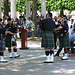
[
  {"x": 9, "y": 19},
  {"x": 0, "y": 19}
]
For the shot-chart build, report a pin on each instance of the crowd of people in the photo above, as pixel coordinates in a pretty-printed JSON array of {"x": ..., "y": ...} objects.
[
  {"x": 9, "y": 32},
  {"x": 50, "y": 29},
  {"x": 61, "y": 28}
]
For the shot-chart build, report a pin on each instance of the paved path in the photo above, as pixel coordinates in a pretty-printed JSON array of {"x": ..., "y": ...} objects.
[{"x": 31, "y": 63}]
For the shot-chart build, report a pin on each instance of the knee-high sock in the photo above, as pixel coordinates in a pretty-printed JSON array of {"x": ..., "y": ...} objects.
[
  {"x": 65, "y": 50},
  {"x": 9, "y": 50},
  {"x": 51, "y": 56},
  {"x": 15, "y": 49},
  {"x": 1, "y": 53},
  {"x": 47, "y": 55},
  {"x": 47, "y": 52},
  {"x": 51, "y": 52}
]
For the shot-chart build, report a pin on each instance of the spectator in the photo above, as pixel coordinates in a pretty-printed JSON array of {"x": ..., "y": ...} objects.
[{"x": 30, "y": 27}]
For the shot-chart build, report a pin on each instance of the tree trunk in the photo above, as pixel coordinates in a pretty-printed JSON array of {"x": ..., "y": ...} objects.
[
  {"x": 6, "y": 8},
  {"x": 34, "y": 13},
  {"x": 61, "y": 12},
  {"x": 0, "y": 9}
]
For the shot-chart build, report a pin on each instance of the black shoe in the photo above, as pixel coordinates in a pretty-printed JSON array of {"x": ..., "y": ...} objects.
[
  {"x": 17, "y": 56},
  {"x": 48, "y": 62},
  {"x": 10, "y": 57}
]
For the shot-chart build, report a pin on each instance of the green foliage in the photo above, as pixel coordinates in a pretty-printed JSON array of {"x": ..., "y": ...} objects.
[
  {"x": 38, "y": 5},
  {"x": 31, "y": 5},
  {"x": 21, "y": 5},
  {"x": 61, "y": 4},
  {"x": 2, "y": 6},
  {"x": 55, "y": 5}
]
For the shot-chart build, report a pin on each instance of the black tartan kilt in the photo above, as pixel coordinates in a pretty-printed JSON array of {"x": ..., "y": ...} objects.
[
  {"x": 64, "y": 41},
  {"x": 47, "y": 40},
  {"x": 2, "y": 45},
  {"x": 8, "y": 42}
]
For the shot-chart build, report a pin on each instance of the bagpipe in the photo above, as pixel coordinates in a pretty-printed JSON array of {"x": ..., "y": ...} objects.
[
  {"x": 14, "y": 28},
  {"x": 63, "y": 31}
]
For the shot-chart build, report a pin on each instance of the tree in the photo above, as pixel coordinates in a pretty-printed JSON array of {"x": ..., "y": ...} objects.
[
  {"x": 34, "y": 13},
  {"x": 6, "y": 8},
  {"x": 20, "y": 6},
  {"x": 61, "y": 5}
]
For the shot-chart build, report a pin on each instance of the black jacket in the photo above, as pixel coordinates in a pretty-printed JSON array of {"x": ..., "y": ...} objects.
[
  {"x": 2, "y": 31},
  {"x": 47, "y": 25}
]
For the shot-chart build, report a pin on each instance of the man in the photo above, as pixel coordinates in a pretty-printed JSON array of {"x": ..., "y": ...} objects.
[
  {"x": 47, "y": 26},
  {"x": 64, "y": 38},
  {"x": 72, "y": 41},
  {"x": 2, "y": 41},
  {"x": 57, "y": 24},
  {"x": 10, "y": 40},
  {"x": 30, "y": 27},
  {"x": 71, "y": 26},
  {"x": 72, "y": 37},
  {"x": 38, "y": 29},
  {"x": 22, "y": 23}
]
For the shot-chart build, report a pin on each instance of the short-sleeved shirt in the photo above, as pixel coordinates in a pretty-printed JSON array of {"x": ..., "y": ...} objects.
[{"x": 11, "y": 28}]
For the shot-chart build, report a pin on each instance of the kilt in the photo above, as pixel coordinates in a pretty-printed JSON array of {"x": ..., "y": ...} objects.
[
  {"x": 9, "y": 43},
  {"x": 2, "y": 45},
  {"x": 47, "y": 40},
  {"x": 64, "y": 41}
]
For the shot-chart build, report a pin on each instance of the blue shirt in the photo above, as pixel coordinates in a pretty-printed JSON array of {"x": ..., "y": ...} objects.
[{"x": 72, "y": 37}]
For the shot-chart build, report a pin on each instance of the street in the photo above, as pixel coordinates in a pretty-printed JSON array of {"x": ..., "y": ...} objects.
[{"x": 31, "y": 61}]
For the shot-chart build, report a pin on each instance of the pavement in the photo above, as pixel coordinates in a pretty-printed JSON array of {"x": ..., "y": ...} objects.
[{"x": 31, "y": 61}]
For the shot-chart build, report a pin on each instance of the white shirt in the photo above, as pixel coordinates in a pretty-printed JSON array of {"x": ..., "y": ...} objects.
[{"x": 70, "y": 29}]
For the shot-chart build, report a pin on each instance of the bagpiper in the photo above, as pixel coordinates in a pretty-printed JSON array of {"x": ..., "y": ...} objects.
[
  {"x": 2, "y": 41},
  {"x": 10, "y": 39},
  {"x": 64, "y": 38},
  {"x": 47, "y": 26}
]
